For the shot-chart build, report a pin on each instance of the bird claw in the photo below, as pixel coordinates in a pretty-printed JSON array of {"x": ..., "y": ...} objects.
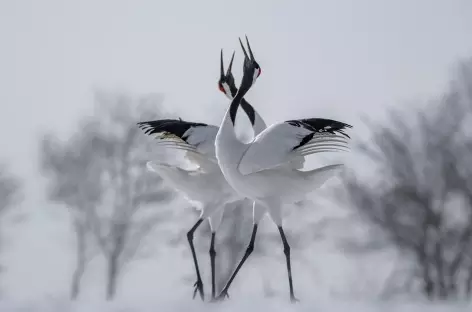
[
  {"x": 222, "y": 296},
  {"x": 198, "y": 288},
  {"x": 293, "y": 299}
]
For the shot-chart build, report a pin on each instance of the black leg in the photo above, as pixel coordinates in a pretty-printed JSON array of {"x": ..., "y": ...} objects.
[
  {"x": 289, "y": 266},
  {"x": 199, "y": 283},
  {"x": 212, "y": 260},
  {"x": 249, "y": 249}
]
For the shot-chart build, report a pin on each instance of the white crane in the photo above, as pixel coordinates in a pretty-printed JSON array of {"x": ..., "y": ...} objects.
[
  {"x": 253, "y": 169},
  {"x": 206, "y": 185}
]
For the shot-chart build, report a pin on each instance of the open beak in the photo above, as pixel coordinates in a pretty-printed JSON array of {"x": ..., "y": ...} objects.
[
  {"x": 222, "y": 67},
  {"x": 251, "y": 58},
  {"x": 250, "y": 61}
]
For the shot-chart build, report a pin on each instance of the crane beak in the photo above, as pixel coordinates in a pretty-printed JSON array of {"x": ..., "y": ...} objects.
[
  {"x": 250, "y": 51},
  {"x": 222, "y": 67},
  {"x": 251, "y": 68},
  {"x": 251, "y": 55},
  {"x": 228, "y": 72}
]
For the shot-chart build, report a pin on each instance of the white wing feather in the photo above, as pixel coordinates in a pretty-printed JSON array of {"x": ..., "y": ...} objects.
[
  {"x": 203, "y": 138},
  {"x": 275, "y": 146},
  {"x": 199, "y": 145}
]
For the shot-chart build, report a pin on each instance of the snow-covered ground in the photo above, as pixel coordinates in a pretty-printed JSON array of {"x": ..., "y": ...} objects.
[
  {"x": 240, "y": 304},
  {"x": 326, "y": 279}
]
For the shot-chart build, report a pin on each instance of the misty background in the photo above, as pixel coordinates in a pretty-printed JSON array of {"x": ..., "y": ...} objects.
[{"x": 75, "y": 77}]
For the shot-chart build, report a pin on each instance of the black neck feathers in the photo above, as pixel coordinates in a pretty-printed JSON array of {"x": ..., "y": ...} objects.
[
  {"x": 251, "y": 114},
  {"x": 233, "y": 108}
]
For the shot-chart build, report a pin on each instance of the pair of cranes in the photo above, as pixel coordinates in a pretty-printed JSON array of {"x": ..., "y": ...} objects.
[{"x": 266, "y": 170}]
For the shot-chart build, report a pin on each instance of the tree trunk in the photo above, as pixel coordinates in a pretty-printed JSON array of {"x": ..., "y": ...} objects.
[
  {"x": 440, "y": 271},
  {"x": 112, "y": 276},
  {"x": 80, "y": 262},
  {"x": 468, "y": 283},
  {"x": 113, "y": 262},
  {"x": 424, "y": 263}
]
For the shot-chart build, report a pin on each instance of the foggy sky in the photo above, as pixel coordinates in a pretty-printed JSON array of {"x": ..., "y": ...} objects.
[{"x": 335, "y": 59}]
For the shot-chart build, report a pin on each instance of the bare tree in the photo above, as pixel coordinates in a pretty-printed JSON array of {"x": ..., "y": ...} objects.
[
  {"x": 74, "y": 172},
  {"x": 9, "y": 190},
  {"x": 100, "y": 175},
  {"x": 420, "y": 197},
  {"x": 128, "y": 211}
]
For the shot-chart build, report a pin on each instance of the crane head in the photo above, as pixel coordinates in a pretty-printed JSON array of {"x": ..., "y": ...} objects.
[
  {"x": 226, "y": 83},
  {"x": 251, "y": 69}
]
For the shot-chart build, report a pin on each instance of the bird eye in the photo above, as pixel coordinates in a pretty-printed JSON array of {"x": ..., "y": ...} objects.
[{"x": 220, "y": 86}]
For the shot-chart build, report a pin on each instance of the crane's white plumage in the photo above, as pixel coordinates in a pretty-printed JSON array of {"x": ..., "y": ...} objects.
[
  {"x": 198, "y": 142},
  {"x": 203, "y": 138},
  {"x": 208, "y": 191},
  {"x": 206, "y": 186},
  {"x": 284, "y": 141},
  {"x": 256, "y": 171}
]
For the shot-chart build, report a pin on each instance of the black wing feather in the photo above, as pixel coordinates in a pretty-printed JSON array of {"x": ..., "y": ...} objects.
[
  {"x": 177, "y": 127},
  {"x": 319, "y": 125}
]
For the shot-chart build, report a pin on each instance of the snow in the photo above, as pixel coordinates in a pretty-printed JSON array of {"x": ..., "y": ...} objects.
[{"x": 239, "y": 304}]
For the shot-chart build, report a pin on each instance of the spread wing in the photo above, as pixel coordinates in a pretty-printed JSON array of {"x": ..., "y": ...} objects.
[
  {"x": 288, "y": 141},
  {"x": 197, "y": 139}
]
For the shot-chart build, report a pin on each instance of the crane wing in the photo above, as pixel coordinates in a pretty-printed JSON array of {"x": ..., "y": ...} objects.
[
  {"x": 197, "y": 139},
  {"x": 291, "y": 140}
]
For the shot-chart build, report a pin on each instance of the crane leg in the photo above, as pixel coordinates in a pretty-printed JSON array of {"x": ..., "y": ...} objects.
[
  {"x": 289, "y": 266},
  {"x": 212, "y": 260},
  {"x": 199, "y": 283}
]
